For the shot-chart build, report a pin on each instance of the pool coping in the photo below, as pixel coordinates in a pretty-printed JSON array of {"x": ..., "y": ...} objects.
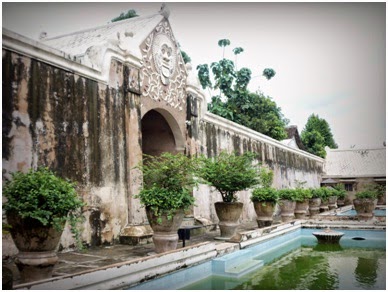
[{"x": 135, "y": 271}]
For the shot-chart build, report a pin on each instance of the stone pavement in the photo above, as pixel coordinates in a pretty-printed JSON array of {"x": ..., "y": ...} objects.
[{"x": 78, "y": 261}]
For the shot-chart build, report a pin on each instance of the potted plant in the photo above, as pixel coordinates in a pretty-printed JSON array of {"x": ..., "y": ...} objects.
[
  {"x": 166, "y": 194},
  {"x": 264, "y": 198},
  {"x": 302, "y": 197},
  {"x": 381, "y": 191},
  {"x": 287, "y": 203},
  {"x": 228, "y": 174},
  {"x": 365, "y": 203},
  {"x": 315, "y": 202},
  {"x": 38, "y": 205},
  {"x": 341, "y": 194},
  {"x": 332, "y": 197},
  {"x": 325, "y": 193}
]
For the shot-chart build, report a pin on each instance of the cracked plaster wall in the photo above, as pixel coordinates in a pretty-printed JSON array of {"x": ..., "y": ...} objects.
[{"x": 76, "y": 127}]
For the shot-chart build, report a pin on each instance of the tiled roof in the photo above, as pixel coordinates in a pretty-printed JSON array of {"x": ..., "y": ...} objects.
[
  {"x": 137, "y": 29},
  {"x": 292, "y": 132},
  {"x": 355, "y": 163}
]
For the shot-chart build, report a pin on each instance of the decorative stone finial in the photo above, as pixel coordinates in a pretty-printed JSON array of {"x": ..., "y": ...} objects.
[
  {"x": 42, "y": 35},
  {"x": 164, "y": 11}
]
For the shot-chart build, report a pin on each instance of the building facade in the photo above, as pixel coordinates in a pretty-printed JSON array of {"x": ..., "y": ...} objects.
[{"x": 89, "y": 104}]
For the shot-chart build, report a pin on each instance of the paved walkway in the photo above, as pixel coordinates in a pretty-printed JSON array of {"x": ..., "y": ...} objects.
[{"x": 91, "y": 258}]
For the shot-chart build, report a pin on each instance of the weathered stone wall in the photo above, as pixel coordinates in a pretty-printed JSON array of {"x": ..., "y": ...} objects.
[
  {"x": 75, "y": 126},
  {"x": 209, "y": 134}
]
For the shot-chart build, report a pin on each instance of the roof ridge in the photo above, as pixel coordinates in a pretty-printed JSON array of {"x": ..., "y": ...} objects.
[
  {"x": 101, "y": 26},
  {"x": 357, "y": 149}
]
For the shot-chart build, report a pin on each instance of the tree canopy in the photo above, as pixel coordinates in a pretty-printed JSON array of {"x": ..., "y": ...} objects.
[
  {"x": 235, "y": 102},
  {"x": 129, "y": 14},
  {"x": 316, "y": 135}
]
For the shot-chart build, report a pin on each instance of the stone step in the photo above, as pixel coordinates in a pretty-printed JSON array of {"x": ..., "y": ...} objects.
[
  {"x": 244, "y": 268},
  {"x": 236, "y": 264}
]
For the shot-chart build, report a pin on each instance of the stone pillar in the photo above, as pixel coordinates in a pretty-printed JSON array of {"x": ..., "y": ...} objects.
[{"x": 137, "y": 231}]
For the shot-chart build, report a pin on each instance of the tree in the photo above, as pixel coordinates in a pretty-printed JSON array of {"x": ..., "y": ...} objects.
[
  {"x": 316, "y": 135},
  {"x": 235, "y": 102},
  {"x": 130, "y": 14}
]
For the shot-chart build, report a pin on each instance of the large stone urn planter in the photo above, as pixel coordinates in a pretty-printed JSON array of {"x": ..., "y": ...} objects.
[
  {"x": 165, "y": 235},
  {"x": 314, "y": 204},
  {"x": 287, "y": 208},
  {"x": 340, "y": 203},
  {"x": 37, "y": 247},
  {"x": 324, "y": 205},
  {"x": 228, "y": 216},
  {"x": 301, "y": 209},
  {"x": 264, "y": 212},
  {"x": 364, "y": 208},
  {"x": 332, "y": 202}
]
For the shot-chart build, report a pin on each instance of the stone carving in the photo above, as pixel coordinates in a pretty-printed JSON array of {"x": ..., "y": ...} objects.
[
  {"x": 163, "y": 74},
  {"x": 164, "y": 56}
]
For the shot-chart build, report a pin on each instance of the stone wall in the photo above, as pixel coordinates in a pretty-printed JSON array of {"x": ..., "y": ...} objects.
[
  {"x": 87, "y": 126},
  {"x": 209, "y": 134},
  {"x": 75, "y": 126}
]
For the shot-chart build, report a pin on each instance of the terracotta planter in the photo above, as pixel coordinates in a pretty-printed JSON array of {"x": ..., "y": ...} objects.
[
  {"x": 165, "y": 235},
  {"x": 228, "y": 215},
  {"x": 324, "y": 205},
  {"x": 332, "y": 202},
  {"x": 37, "y": 247},
  {"x": 364, "y": 208},
  {"x": 314, "y": 204},
  {"x": 301, "y": 209},
  {"x": 264, "y": 212},
  {"x": 287, "y": 209}
]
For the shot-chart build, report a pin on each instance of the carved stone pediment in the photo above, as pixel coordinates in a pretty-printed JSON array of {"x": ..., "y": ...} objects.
[{"x": 163, "y": 73}]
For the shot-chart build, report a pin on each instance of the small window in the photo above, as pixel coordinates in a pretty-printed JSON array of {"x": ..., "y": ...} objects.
[{"x": 349, "y": 187}]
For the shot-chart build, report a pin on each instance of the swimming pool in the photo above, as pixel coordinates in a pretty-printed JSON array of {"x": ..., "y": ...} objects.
[
  {"x": 352, "y": 212},
  {"x": 294, "y": 260}
]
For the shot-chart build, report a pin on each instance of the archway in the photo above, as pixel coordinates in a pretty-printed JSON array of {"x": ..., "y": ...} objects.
[{"x": 160, "y": 133}]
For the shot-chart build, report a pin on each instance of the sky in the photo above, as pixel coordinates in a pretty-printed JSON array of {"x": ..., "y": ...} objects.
[{"x": 329, "y": 58}]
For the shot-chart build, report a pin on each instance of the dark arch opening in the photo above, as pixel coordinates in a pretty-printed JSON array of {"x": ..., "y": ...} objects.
[{"x": 157, "y": 136}]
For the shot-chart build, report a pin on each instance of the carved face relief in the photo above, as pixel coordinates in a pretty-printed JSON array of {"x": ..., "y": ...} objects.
[{"x": 164, "y": 56}]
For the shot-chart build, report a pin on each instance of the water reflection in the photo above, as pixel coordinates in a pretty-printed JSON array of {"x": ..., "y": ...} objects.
[
  {"x": 366, "y": 272},
  {"x": 327, "y": 247}
]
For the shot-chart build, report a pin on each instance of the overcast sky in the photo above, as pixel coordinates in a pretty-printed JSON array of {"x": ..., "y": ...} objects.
[{"x": 329, "y": 58}]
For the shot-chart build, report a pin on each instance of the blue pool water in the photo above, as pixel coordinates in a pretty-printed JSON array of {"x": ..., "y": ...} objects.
[
  {"x": 291, "y": 261},
  {"x": 352, "y": 212}
]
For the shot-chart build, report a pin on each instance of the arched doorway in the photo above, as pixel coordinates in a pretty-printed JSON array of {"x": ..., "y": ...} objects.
[{"x": 160, "y": 133}]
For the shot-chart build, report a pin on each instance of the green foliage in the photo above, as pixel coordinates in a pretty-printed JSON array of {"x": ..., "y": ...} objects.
[
  {"x": 317, "y": 192},
  {"x": 236, "y": 103},
  {"x": 168, "y": 181},
  {"x": 371, "y": 191},
  {"x": 265, "y": 177},
  {"x": 238, "y": 50},
  {"x": 314, "y": 143},
  {"x": 323, "y": 193},
  {"x": 204, "y": 76},
  {"x": 266, "y": 194},
  {"x": 41, "y": 195},
  {"x": 316, "y": 135},
  {"x": 229, "y": 173},
  {"x": 185, "y": 57},
  {"x": 224, "y": 42},
  {"x": 341, "y": 192},
  {"x": 302, "y": 194},
  {"x": 287, "y": 194},
  {"x": 129, "y": 14},
  {"x": 269, "y": 73},
  {"x": 367, "y": 194}
]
